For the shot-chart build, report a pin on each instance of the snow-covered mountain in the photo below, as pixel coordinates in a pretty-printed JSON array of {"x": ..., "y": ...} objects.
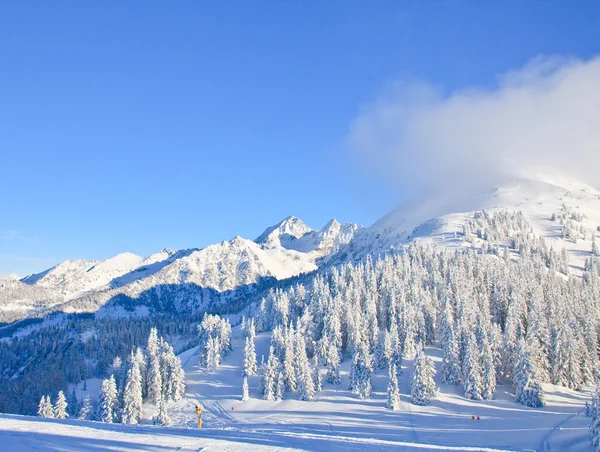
[
  {"x": 286, "y": 249},
  {"x": 441, "y": 218},
  {"x": 550, "y": 205}
]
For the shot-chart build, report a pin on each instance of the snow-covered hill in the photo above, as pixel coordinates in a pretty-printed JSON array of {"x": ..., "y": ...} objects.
[{"x": 441, "y": 218}]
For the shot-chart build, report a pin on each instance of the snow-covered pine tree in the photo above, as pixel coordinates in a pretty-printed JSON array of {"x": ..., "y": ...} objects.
[
  {"x": 528, "y": 390},
  {"x": 305, "y": 383},
  {"x": 488, "y": 371},
  {"x": 393, "y": 393},
  {"x": 162, "y": 416},
  {"x": 472, "y": 374},
  {"x": 262, "y": 370},
  {"x": 270, "y": 376},
  {"x": 176, "y": 379},
  {"x": 45, "y": 407},
  {"x": 249, "y": 358},
  {"x": 289, "y": 371},
  {"x": 317, "y": 378},
  {"x": 379, "y": 358},
  {"x": 86, "y": 413},
  {"x": 279, "y": 386},
  {"x": 60, "y": 407},
  {"x": 213, "y": 353},
  {"x": 450, "y": 372},
  {"x": 361, "y": 371},
  {"x": 132, "y": 397},
  {"x": 245, "y": 390},
  {"x": 333, "y": 367},
  {"x": 594, "y": 413},
  {"x": 422, "y": 385},
  {"x": 108, "y": 400}
]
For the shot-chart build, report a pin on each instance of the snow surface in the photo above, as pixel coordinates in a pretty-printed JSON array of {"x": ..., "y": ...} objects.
[
  {"x": 336, "y": 420},
  {"x": 446, "y": 423}
]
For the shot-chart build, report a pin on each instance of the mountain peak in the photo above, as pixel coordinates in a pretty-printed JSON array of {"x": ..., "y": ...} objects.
[{"x": 289, "y": 228}]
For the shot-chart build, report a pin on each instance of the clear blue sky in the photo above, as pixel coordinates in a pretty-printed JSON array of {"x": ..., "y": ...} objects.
[{"x": 136, "y": 125}]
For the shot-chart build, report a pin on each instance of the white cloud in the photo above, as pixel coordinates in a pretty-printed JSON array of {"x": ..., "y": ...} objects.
[{"x": 543, "y": 116}]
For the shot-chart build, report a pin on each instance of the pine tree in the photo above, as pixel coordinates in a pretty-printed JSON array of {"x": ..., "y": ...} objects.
[
  {"x": 393, "y": 393},
  {"x": 132, "y": 397},
  {"x": 162, "y": 417},
  {"x": 154, "y": 380},
  {"x": 488, "y": 371},
  {"x": 289, "y": 372},
  {"x": 177, "y": 379},
  {"x": 249, "y": 358},
  {"x": 245, "y": 391},
  {"x": 305, "y": 383},
  {"x": 86, "y": 411},
  {"x": 422, "y": 385},
  {"x": 270, "y": 376},
  {"x": 472, "y": 374},
  {"x": 333, "y": 367},
  {"x": 595, "y": 422},
  {"x": 60, "y": 407},
  {"x": 317, "y": 378},
  {"x": 73, "y": 404},
  {"x": 108, "y": 400},
  {"x": 45, "y": 407},
  {"x": 213, "y": 354},
  {"x": 361, "y": 371},
  {"x": 279, "y": 386},
  {"x": 450, "y": 372}
]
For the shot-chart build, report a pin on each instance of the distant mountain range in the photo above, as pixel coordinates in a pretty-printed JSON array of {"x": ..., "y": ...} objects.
[{"x": 192, "y": 279}]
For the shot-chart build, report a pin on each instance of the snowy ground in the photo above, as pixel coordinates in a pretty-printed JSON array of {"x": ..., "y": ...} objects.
[
  {"x": 335, "y": 421},
  {"x": 504, "y": 424}
]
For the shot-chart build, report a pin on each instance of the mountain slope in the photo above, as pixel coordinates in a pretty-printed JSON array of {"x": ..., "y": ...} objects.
[
  {"x": 284, "y": 250},
  {"x": 441, "y": 219}
]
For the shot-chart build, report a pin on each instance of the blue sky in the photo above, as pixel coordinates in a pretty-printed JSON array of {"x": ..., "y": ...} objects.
[{"x": 134, "y": 125}]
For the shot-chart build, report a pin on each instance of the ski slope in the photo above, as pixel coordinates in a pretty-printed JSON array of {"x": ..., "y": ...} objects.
[
  {"x": 336, "y": 412},
  {"x": 336, "y": 420}
]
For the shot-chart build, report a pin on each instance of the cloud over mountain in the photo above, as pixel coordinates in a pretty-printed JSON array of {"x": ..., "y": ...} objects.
[{"x": 544, "y": 116}]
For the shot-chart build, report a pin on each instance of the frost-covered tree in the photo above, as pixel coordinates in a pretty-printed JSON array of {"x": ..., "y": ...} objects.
[
  {"x": 594, "y": 413},
  {"x": 361, "y": 371},
  {"x": 317, "y": 378},
  {"x": 489, "y": 377},
  {"x": 214, "y": 340},
  {"x": 60, "y": 407},
  {"x": 279, "y": 386},
  {"x": 162, "y": 416},
  {"x": 333, "y": 367},
  {"x": 289, "y": 371},
  {"x": 270, "y": 376},
  {"x": 245, "y": 390},
  {"x": 393, "y": 392},
  {"x": 108, "y": 400},
  {"x": 86, "y": 413},
  {"x": 132, "y": 397},
  {"x": 249, "y": 358},
  {"x": 422, "y": 388},
  {"x": 450, "y": 371},
  {"x": 305, "y": 383},
  {"x": 528, "y": 390},
  {"x": 45, "y": 407},
  {"x": 472, "y": 373}
]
